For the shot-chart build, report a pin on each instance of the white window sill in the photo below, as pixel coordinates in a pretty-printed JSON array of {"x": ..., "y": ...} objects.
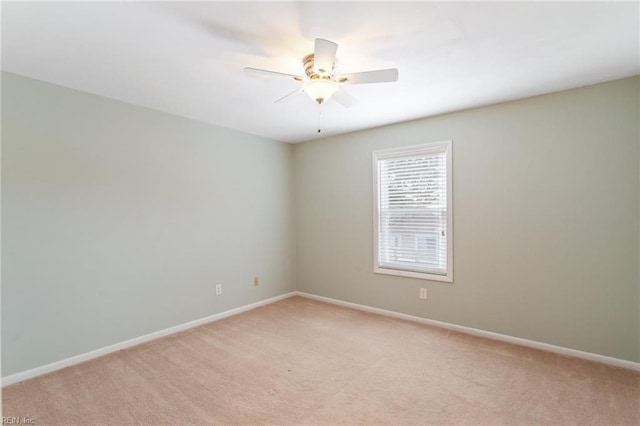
[{"x": 411, "y": 274}]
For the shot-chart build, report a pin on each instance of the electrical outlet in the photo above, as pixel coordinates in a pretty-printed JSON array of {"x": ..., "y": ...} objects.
[
  {"x": 256, "y": 281},
  {"x": 218, "y": 289},
  {"x": 423, "y": 293}
]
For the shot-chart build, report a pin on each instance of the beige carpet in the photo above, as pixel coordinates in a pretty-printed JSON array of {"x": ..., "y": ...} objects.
[{"x": 303, "y": 362}]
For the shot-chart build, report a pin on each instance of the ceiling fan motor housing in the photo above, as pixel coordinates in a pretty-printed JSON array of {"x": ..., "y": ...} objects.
[{"x": 309, "y": 61}]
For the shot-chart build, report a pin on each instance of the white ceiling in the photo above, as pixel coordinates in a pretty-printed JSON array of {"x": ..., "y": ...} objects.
[{"x": 186, "y": 58}]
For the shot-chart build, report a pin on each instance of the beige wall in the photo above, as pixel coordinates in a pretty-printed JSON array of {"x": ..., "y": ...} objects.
[
  {"x": 546, "y": 210},
  {"x": 118, "y": 221}
]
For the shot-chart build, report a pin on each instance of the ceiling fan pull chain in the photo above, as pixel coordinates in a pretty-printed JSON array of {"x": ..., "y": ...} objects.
[{"x": 319, "y": 114}]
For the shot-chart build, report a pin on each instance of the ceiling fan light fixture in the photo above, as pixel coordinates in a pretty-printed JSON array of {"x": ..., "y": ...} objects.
[
  {"x": 321, "y": 83},
  {"x": 319, "y": 89}
]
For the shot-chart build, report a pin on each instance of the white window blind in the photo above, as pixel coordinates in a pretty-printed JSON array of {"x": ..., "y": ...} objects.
[{"x": 413, "y": 211}]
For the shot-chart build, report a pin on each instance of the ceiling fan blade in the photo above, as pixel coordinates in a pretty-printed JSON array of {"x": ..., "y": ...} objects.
[
  {"x": 324, "y": 56},
  {"x": 273, "y": 73},
  {"x": 288, "y": 97},
  {"x": 378, "y": 76},
  {"x": 344, "y": 98}
]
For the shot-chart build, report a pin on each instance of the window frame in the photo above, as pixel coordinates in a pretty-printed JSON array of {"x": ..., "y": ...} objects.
[{"x": 408, "y": 151}]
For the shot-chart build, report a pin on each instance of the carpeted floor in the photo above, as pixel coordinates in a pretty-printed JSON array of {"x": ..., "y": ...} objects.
[{"x": 303, "y": 362}]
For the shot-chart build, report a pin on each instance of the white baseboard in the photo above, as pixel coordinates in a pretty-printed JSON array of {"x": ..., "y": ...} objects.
[
  {"x": 68, "y": 362},
  {"x": 630, "y": 365},
  {"x": 58, "y": 365}
]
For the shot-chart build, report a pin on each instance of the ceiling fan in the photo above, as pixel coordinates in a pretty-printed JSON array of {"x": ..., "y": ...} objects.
[{"x": 321, "y": 82}]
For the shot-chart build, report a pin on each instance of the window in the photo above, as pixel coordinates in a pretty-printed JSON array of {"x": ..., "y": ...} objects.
[{"x": 412, "y": 211}]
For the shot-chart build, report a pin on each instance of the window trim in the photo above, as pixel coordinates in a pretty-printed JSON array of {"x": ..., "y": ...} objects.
[{"x": 426, "y": 148}]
